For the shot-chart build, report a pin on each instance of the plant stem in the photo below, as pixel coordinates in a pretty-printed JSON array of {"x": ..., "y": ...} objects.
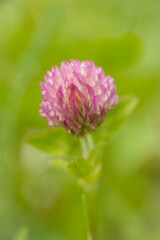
[
  {"x": 86, "y": 220},
  {"x": 90, "y": 142},
  {"x": 84, "y": 147}
]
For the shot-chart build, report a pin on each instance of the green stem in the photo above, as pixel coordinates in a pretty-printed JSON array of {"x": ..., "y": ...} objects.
[
  {"x": 84, "y": 147},
  {"x": 86, "y": 220},
  {"x": 90, "y": 142}
]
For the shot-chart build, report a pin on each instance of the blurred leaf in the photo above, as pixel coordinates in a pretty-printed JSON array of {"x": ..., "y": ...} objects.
[
  {"x": 80, "y": 167},
  {"x": 94, "y": 175},
  {"x": 84, "y": 165},
  {"x": 95, "y": 159},
  {"x": 55, "y": 141},
  {"x": 116, "y": 117},
  {"x": 22, "y": 234},
  {"x": 96, "y": 154},
  {"x": 59, "y": 163},
  {"x": 89, "y": 169},
  {"x": 73, "y": 168}
]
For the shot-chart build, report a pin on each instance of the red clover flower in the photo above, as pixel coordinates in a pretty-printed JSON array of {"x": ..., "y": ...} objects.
[{"x": 77, "y": 96}]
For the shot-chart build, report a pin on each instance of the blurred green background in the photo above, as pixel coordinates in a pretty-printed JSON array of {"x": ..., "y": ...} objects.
[{"x": 121, "y": 36}]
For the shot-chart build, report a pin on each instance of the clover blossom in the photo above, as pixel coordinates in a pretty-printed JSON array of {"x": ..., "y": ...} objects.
[{"x": 77, "y": 96}]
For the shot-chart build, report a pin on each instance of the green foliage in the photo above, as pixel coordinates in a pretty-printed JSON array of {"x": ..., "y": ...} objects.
[
  {"x": 59, "y": 143},
  {"x": 84, "y": 165},
  {"x": 85, "y": 168},
  {"x": 95, "y": 157},
  {"x": 55, "y": 141},
  {"x": 80, "y": 167},
  {"x": 116, "y": 118},
  {"x": 74, "y": 169},
  {"x": 96, "y": 154}
]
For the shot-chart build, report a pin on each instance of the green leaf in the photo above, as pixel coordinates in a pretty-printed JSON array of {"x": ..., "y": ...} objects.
[
  {"x": 55, "y": 141},
  {"x": 84, "y": 165},
  {"x": 58, "y": 163},
  {"x": 80, "y": 167},
  {"x": 116, "y": 117},
  {"x": 96, "y": 154},
  {"x": 94, "y": 175},
  {"x": 22, "y": 234},
  {"x": 88, "y": 169},
  {"x": 95, "y": 160},
  {"x": 73, "y": 168}
]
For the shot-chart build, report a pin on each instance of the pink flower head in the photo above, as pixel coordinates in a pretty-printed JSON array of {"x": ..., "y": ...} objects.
[{"x": 77, "y": 96}]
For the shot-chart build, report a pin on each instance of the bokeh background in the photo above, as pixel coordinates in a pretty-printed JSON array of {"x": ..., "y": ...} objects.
[{"x": 121, "y": 36}]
